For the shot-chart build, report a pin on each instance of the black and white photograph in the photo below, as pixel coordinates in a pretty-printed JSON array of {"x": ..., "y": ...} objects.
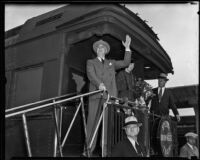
[{"x": 101, "y": 80}]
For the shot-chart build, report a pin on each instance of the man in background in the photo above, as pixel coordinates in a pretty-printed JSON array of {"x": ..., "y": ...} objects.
[
  {"x": 189, "y": 149},
  {"x": 160, "y": 105}
]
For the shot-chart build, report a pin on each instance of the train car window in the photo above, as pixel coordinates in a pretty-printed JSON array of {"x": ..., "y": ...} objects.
[{"x": 28, "y": 84}]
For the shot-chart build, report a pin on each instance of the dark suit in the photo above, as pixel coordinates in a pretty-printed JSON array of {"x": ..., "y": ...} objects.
[
  {"x": 167, "y": 102},
  {"x": 126, "y": 149},
  {"x": 97, "y": 73},
  {"x": 125, "y": 85}
]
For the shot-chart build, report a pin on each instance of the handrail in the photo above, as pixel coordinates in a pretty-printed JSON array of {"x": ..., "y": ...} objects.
[
  {"x": 49, "y": 104},
  {"x": 30, "y": 104},
  {"x": 130, "y": 102}
]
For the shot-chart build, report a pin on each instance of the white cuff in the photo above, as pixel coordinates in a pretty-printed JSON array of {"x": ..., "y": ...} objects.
[{"x": 128, "y": 49}]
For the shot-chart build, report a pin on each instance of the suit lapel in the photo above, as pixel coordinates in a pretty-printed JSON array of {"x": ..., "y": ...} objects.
[
  {"x": 190, "y": 150},
  {"x": 131, "y": 148}
]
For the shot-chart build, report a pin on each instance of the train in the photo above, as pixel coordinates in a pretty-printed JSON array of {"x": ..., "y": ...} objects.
[{"x": 46, "y": 58}]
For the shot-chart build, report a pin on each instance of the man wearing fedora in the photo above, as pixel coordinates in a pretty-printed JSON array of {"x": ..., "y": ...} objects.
[
  {"x": 129, "y": 147},
  {"x": 160, "y": 105},
  {"x": 164, "y": 100},
  {"x": 189, "y": 149},
  {"x": 101, "y": 74}
]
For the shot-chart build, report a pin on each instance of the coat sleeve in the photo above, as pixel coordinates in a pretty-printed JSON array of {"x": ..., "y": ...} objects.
[
  {"x": 92, "y": 75},
  {"x": 172, "y": 104},
  {"x": 183, "y": 152},
  {"x": 123, "y": 63}
]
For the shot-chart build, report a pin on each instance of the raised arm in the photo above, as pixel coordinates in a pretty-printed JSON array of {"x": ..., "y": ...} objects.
[{"x": 127, "y": 56}]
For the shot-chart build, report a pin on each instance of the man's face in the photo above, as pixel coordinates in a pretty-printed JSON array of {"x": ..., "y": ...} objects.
[
  {"x": 161, "y": 82},
  {"x": 132, "y": 130},
  {"x": 101, "y": 50},
  {"x": 191, "y": 140}
]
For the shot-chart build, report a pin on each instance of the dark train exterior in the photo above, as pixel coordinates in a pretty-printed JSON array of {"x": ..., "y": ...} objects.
[{"x": 46, "y": 57}]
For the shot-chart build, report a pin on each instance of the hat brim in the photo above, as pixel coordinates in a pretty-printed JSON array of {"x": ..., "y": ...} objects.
[
  {"x": 193, "y": 136},
  {"x": 163, "y": 78},
  {"x": 138, "y": 124}
]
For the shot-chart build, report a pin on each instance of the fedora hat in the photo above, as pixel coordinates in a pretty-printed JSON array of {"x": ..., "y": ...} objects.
[
  {"x": 101, "y": 42},
  {"x": 131, "y": 120},
  {"x": 191, "y": 134},
  {"x": 163, "y": 76}
]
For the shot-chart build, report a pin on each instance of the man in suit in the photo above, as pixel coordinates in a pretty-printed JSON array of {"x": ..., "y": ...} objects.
[
  {"x": 129, "y": 147},
  {"x": 164, "y": 100},
  {"x": 160, "y": 105},
  {"x": 189, "y": 149},
  {"x": 125, "y": 85},
  {"x": 101, "y": 74}
]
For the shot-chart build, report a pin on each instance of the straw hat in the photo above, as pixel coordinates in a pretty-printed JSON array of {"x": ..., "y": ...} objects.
[
  {"x": 101, "y": 42},
  {"x": 191, "y": 134},
  {"x": 131, "y": 120}
]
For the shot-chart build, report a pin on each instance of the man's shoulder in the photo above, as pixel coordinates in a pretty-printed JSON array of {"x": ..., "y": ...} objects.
[
  {"x": 92, "y": 60},
  {"x": 185, "y": 147}
]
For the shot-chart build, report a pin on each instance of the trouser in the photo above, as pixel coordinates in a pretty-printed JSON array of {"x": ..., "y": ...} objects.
[{"x": 94, "y": 112}]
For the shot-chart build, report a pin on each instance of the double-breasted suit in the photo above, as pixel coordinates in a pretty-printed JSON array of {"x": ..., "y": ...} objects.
[{"x": 97, "y": 73}]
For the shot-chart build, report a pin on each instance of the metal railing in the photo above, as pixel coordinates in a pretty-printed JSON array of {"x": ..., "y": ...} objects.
[
  {"x": 58, "y": 122},
  {"x": 57, "y": 115}
]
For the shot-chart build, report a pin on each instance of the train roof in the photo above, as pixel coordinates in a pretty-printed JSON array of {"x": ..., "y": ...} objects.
[{"x": 84, "y": 15}]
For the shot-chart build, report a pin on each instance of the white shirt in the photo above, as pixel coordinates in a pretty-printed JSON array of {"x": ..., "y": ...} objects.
[
  {"x": 163, "y": 89},
  {"x": 190, "y": 146},
  {"x": 100, "y": 58},
  {"x": 133, "y": 143}
]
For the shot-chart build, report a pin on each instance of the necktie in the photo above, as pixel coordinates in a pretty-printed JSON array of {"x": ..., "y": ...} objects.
[
  {"x": 138, "y": 149},
  {"x": 102, "y": 60},
  {"x": 160, "y": 94}
]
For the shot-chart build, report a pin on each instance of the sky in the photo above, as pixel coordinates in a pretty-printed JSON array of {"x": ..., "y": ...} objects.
[{"x": 177, "y": 26}]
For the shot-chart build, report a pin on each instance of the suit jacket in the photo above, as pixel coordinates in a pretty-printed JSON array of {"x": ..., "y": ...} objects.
[
  {"x": 125, "y": 85},
  {"x": 167, "y": 102},
  {"x": 187, "y": 152},
  {"x": 126, "y": 149},
  {"x": 105, "y": 73}
]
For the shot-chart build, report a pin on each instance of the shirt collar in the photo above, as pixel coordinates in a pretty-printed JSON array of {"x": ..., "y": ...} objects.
[
  {"x": 163, "y": 88},
  {"x": 132, "y": 141},
  {"x": 190, "y": 146},
  {"x": 100, "y": 58}
]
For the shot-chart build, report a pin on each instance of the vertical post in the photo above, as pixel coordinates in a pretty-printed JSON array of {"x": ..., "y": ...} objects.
[
  {"x": 57, "y": 131},
  {"x": 61, "y": 111},
  {"x": 104, "y": 149},
  {"x": 85, "y": 127},
  {"x": 103, "y": 129},
  {"x": 26, "y": 135}
]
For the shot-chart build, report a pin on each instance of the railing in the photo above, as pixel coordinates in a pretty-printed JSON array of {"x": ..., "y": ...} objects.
[
  {"x": 57, "y": 110},
  {"x": 55, "y": 104}
]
